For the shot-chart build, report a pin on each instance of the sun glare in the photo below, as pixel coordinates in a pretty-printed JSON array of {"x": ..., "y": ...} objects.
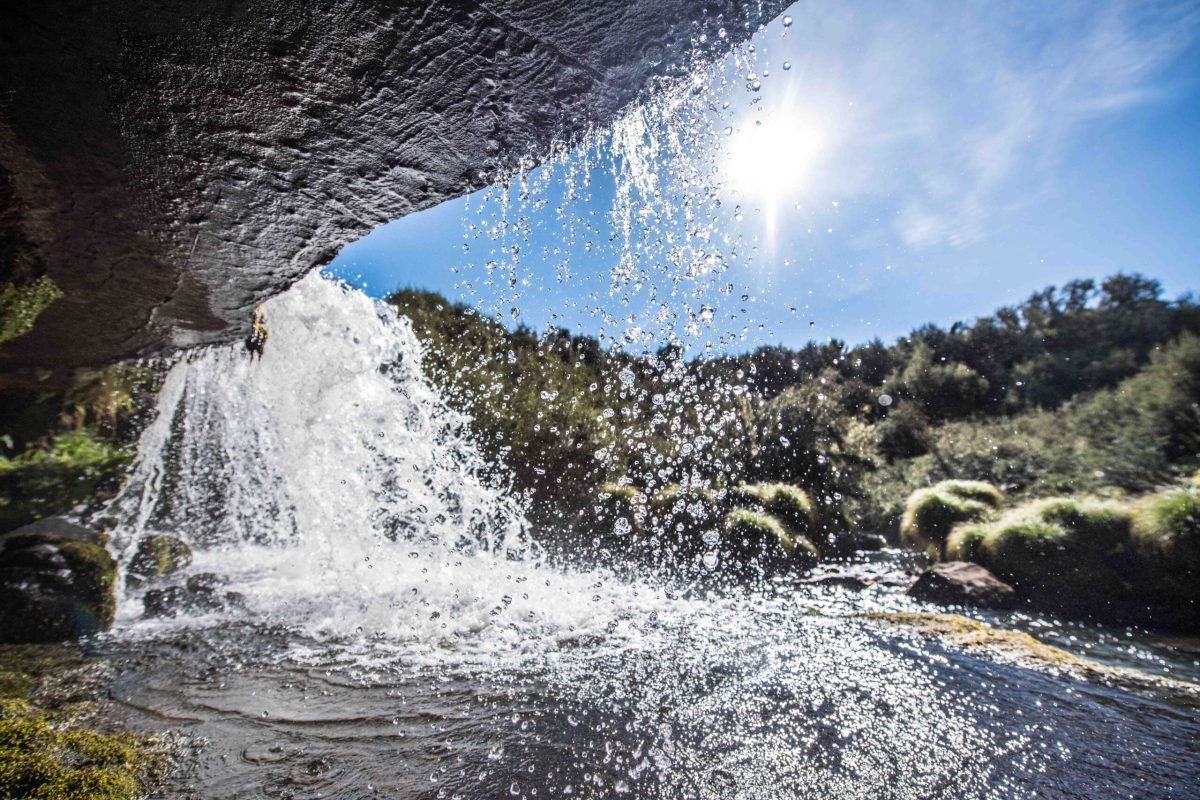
[{"x": 774, "y": 157}]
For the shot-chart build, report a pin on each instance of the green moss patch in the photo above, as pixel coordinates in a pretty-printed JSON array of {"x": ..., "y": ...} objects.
[
  {"x": 1026, "y": 651},
  {"x": 20, "y": 305},
  {"x": 157, "y": 556},
  {"x": 46, "y": 751}
]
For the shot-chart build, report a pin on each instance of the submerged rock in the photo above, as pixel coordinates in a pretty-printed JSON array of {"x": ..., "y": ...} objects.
[
  {"x": 964, "y": 584},
  {"x": 200, "y": 593},
  {"x": 157, "y": 556},
  {"x": 1015, "y": 647},
  {"x": 847, "y": 543},
  {"x": 58, "y": 582}
]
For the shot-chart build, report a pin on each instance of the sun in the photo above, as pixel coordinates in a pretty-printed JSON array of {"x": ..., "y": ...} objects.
[{"x": 774, "y": 157}]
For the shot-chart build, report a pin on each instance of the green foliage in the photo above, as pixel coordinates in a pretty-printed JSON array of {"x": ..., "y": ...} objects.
[
  {"x": 941, "y": 389},
  {"x": 1166, "y": 528},
  {"x": 1150, "y": 422},
  {"x": 1084, "y": 389},
  {"x": 73, "y": 468},
  {"x": 931, "y": 513},
  {"x": 1069, "y": 546},
  {"x": 758, "y": 538},
  {"x": 20, "y": 305},
  {"x": 46, "y": 754}
]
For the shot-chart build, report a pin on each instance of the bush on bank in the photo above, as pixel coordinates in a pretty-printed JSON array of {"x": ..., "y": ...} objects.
[
  {"x": 771, "y": 525},
  {"x": 1094, "y": 553},
  {"x": 931, "y": 513}
]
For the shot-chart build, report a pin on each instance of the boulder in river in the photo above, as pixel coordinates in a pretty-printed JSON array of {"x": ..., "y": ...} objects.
[
  {"x": 57, "y": 580},
  {"x": 962, "y": 583},
  {"x": 157, "y": 556}
]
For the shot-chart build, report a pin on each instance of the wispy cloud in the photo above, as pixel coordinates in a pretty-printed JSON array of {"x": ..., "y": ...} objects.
[{"x": 952, "y": 114}]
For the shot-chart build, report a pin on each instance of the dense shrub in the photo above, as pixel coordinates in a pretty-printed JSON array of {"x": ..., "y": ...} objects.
[
  {"x": 1063, "y": 550},
  {"x": 1166, "y": 528},
  {"x": 74, "y": 468},
  {"x": 760, "y": 540},
  {"x": 931, "y": 513}
]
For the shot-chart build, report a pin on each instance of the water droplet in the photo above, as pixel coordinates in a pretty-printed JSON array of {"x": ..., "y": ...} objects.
[
  {"x": 787, "y": 65},
  {"x": 787, "y": 21},
  {"x": 885, "y": 400}
]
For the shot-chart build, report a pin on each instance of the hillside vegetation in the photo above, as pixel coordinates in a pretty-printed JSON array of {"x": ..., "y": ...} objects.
[{"x": 1087, "y": 388}]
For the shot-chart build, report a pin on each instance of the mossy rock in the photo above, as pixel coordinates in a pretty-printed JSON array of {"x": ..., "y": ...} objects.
[
  {"x": 757, "y": 540},
  {"x": 21, "y": 304},
  {"x": 1166, "y": 535},
  {"x": 931, "y": 513},
  {"x": 42, "y": 761},
  {"x": 157, "y": 556},
  {"x": 58, "y": 581},
  {"x": 1059, "y": 547}
]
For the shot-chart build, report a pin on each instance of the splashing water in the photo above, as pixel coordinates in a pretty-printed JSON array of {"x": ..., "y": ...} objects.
[
  {"x": 332, "y": 489},
  {"x": 403, "y": 632}
]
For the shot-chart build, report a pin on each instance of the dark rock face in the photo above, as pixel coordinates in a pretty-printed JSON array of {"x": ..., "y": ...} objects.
[
  {"x": 961, "y": 583},
  {"x": 56, "y": 583},
  {"x": 170, "y": 165},
  {"x": 200, "y": 593}
]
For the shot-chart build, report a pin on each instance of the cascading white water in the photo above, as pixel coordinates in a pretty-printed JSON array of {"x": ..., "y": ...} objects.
[{"x": 329, "y": 485}]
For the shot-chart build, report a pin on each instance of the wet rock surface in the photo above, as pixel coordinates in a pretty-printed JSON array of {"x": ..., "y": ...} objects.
[
  {"x": 200, "y": 593},
  {"x": 57, "y": 582},
  {"x": 157, "y": 556},
  {"x": 964, "y": 584},
  {"x": 170, "y": 166}
]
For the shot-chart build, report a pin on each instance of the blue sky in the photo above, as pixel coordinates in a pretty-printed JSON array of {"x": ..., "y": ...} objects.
[{"x": 868, "y": 168}]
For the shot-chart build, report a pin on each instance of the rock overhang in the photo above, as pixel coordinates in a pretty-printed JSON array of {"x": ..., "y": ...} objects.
[{"x": 171, "y": 165}]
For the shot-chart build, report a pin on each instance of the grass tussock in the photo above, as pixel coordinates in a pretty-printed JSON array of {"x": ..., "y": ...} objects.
[
  {"x": 1166, "y": 531},
  {"x": 930, "y": 514},
  {"x": 758, "y": 536}
]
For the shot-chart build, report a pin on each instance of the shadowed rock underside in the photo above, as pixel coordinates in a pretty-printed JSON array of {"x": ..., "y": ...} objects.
[{"x": 171, "y": 165}]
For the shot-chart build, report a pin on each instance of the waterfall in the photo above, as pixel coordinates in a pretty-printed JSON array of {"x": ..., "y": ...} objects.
[{"x": 330, "y": 487}]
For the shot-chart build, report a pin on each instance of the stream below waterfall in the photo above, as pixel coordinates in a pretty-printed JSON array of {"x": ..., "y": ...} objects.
[{"x": 387, "y": 628}]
